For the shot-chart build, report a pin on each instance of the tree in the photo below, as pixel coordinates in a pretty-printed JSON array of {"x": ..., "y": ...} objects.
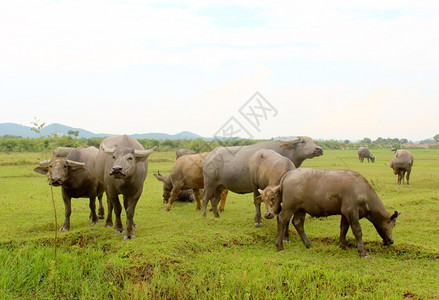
[
  {"x": 73, "y": 133},
  {"x": 436, "y": 138},
  {"x": 366, "y": 140}
]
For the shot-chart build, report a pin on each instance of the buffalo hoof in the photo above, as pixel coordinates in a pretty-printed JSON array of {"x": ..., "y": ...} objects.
[
  {"x": 63, "y": 229},
  {"x": 101, "y": 217},
  {"x": 118, "y": 231},
  {"x": 366, "y": 256},
  {"x": 128, "y": 237},
  {"x": 258, "y": 224}
]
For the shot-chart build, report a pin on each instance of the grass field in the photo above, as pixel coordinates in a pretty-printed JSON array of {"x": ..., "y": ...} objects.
[{"x": 181, "y": 255}]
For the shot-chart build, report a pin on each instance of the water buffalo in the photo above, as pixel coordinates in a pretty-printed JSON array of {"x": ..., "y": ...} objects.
[
  {"x": 227, "y": 167},
  {"x": 363, "y": 153},
  {"x": 187, "y": 173},
  {"x": 402, "y": 163},
  {"x": 266, "y": 168},
  {"x": 74, "y": 170},
  {"x": 323, "y": 193},
  {"x": 122, "y": 165}
]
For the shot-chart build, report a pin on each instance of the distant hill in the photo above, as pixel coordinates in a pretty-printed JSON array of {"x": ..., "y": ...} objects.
[{"x": 62, "y": 130}]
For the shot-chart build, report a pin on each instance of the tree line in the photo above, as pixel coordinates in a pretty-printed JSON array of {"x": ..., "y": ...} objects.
[{"x": 18, "y": 144}]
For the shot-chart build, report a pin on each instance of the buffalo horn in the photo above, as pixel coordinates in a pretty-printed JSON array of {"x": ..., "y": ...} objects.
[
  {"x": 108, "y": 149},
  {"x": 44, "y": 163},
  {"x": 144, "y": 153},
  {"x": 74, "y": 163}
]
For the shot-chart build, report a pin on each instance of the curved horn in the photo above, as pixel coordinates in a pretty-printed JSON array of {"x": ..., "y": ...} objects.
[
  {"x": 108, "y": 150},
  {"x": 44, "y": 163},
  {"x": 75, "y": 163},
  {"x": 159, "y": 176},
  {"x": 144, "y": 153}
]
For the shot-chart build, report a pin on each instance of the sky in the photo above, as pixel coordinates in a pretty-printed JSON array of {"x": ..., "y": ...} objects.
[{"x": 255, "y": 69}]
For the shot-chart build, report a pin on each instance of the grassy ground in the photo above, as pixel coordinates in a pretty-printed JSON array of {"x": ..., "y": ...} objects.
[{"x": 179, "y": 254}]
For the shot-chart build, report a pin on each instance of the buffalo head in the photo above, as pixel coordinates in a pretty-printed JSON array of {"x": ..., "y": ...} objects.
[
  {"x": 301, "y": 147},
  {"x": 271, "y": 197},
  {"x": 58, "y": 169},
  {"x": 125, "y": 160}
]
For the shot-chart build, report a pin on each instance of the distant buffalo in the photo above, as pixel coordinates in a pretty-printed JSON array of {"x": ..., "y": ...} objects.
[
  {"x": 363, "y": 153},
  {"x": 401, "y": 164},
  {"x": 74, "y": 170}
]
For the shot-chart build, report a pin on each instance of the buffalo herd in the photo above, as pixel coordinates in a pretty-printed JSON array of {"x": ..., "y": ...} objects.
[{"x": 269, "y": 170}]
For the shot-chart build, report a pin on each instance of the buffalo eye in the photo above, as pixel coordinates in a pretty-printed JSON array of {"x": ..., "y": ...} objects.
[
  {"x": 130, "y": 158},
  {"x": 114, "y": 157}
]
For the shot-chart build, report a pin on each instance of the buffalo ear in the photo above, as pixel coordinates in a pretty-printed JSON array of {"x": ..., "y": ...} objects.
[
  {"x": 41, "y": 170},
  {"x": 395, "y": 215},
  {"x": 260, "y": 191},
  {"x": 276, "y": 188}
]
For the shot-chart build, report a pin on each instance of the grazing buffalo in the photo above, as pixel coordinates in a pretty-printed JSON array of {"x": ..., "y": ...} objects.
[
  {"x": 74, "y": 170},
  {"x": 187, "y": 173},
  {"x": 227, "y": 167},
  {"x": 181, "y": 152},
  {"x": 363, "y": 153},
  {"x": 122, "y": 166},
  {"x": 401, "y": 164},
  {"x": 322, "y": 193},
  {"x": 266, "y": 168}
]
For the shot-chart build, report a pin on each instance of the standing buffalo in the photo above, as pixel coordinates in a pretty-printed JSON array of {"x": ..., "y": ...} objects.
[
  {"x": 322, "y": 193},
  {"x": 122, "y": 166},
  {"x": 74, "y": 170},
  {"x": 266, "y": 168},
  {"x": 187, "y": 173},
  {"x": 363, "y": 153},
  {"x": 402, "y": 163},
  {"x": 227, "y": 167}
]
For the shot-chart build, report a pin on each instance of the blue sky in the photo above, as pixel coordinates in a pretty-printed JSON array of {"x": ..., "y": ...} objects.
[{"x": 332, "y": 69}]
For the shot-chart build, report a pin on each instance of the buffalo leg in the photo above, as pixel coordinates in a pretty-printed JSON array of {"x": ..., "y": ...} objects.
[
  {"x": 214, "y": 201},
  {"x": 258, "y": 216},
  {"x": 282, "y": 223},
  {"x": 118, "y": 228},
  {"x": 130, "y": 206},
  {"x": 174, "y": 195},
  {"x": 109, "y": 220},
  {"x": 356, "y": 230},
  {"x": 207, "y": 195},
  {"x": 298, "y": 221},
  {"x": 93, "y": 217},
  {"x": 408, "y": 176},
  {"x": 67, "y": 212},
  {"x": 223, "y": 199},
  {"x": 197, "y": 198},
  {"x": 344, "y": 227},
  {"x": 101, "y": 211}
]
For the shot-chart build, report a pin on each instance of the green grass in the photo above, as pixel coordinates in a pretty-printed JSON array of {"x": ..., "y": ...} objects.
[{"x": 181, "y": 255}]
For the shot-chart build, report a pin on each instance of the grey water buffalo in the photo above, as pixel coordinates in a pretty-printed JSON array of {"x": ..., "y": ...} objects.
[
  {"x": 187, "y": 173},
  {"x": 227, "y": 167},
  {"x": 181, "y": 152},
  {"x": 401, "y": 164},
  {"x": 266, "y": 168},
  {"x": 322, "y": 193},
  {"x": 363, "y": 153},
  {"x": 122, "y": 166},
  {"x": 74, "y": 170}
]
